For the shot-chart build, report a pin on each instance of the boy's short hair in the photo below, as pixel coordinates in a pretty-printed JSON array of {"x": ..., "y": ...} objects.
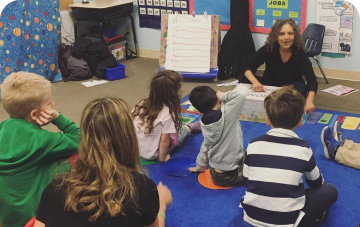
[
  {"x": 203, "y": 98},
  {"x": 284, "y": 107},
  {"x": 23, "y": 92}
]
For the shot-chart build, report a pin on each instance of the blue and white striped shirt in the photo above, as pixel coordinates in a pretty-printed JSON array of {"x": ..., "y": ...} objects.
[{"x": 273, "y": 170}]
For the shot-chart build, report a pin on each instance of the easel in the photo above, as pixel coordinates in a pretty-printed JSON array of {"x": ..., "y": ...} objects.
[{"x": 214, "y": 49}]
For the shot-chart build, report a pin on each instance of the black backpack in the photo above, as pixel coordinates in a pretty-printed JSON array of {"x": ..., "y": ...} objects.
[
  {"x": 75, "y": 73},
  {"x": 238, "y": 45},
  {"x": 64, "y": 54}
]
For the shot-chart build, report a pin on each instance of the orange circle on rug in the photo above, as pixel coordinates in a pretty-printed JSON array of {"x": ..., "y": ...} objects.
[{"x": 205, "y": 180}]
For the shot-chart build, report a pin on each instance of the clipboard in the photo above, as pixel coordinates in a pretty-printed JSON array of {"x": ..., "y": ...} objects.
[{"x": 214, "y": 48}]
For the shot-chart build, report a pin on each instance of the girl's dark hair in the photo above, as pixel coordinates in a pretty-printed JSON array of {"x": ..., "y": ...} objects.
[
  {"x": 165, "y": 89},
  {"x": 272, "y": 39}
]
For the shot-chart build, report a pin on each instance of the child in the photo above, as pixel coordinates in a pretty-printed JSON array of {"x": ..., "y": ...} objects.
[
  {"x": 337, "y": 147},
  {"x": 223, "y": 139},
  {"x": 157, "y": 119},
  {"x": 274, "y": 166},
  {"x": 29, "y": 154},
  {"x": 106, "y": 186}
]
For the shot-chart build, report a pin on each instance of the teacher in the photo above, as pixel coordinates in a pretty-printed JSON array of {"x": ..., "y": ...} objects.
[{"x": 285, "y": 61}]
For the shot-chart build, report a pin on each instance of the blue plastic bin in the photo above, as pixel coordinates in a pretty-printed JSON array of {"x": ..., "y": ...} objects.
[
  {"x": 116, "y": 73},
  {"x": 110, "y": 32}
]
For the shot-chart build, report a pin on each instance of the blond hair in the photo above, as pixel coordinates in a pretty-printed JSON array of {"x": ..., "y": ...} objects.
[
  {"x": 101, "y": 181},
  {"x": 284, "y": 107},
  {"x": 23, "y": 92}
]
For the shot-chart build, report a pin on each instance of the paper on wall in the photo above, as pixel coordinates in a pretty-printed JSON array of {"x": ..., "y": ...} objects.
[
  {"x": 338, "y": 19},
  {"x": 188, "y": 43}
]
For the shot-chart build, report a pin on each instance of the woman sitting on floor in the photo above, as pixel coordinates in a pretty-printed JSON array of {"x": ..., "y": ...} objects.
[{"x": 285, "y": 61}]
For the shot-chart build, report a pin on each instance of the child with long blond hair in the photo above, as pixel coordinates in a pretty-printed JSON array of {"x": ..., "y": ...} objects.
[
  {"x": 106, "y": 186},
  {"x": 157, "y": 119}
]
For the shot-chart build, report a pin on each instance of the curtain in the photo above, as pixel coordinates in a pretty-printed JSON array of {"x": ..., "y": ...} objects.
[{"x": 29, "y": 38}]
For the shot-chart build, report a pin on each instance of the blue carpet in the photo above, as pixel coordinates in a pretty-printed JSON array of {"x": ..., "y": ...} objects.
[{"x": 195, "y": 205}]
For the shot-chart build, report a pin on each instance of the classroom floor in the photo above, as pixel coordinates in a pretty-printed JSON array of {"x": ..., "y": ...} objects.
[{"x": 71, "y": 97}]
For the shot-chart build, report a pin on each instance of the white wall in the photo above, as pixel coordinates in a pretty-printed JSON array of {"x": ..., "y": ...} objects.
[{"x": 150, "y": 39}]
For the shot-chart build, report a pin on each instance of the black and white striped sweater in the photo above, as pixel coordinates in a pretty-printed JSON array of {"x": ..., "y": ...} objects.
[{"x": 273, "y": 175}]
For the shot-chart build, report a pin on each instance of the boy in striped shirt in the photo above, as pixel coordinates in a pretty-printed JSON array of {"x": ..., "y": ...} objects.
[{"x": 274, "y": 166}]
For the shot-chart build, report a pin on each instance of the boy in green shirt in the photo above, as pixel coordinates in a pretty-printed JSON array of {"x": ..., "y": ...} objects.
[{"x": 28, "y": 153}]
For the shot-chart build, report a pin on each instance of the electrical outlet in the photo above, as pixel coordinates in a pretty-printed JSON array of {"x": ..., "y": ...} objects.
[{"x": 128, "y": 30}]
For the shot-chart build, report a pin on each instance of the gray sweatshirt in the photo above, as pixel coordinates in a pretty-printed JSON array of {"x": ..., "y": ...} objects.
[{"x": 223, "y": 140}]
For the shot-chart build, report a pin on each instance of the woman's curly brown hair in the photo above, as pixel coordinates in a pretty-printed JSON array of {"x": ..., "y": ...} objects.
[{"x": 272, "y": 40}]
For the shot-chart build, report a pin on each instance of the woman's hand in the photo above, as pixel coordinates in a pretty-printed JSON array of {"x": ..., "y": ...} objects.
[
  {"x": 309, "y": 107},
  {"x": 258, "y": 87}
]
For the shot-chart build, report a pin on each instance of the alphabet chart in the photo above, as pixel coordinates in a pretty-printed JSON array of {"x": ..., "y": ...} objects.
[
  {"x": 263, "y": 13},
  {"x": 150, "y": 11}
]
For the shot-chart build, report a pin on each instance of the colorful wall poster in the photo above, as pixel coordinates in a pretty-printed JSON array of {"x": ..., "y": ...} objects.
[
  {"x": 263, "y": 13},
  {"x": 338, "y": 19}
]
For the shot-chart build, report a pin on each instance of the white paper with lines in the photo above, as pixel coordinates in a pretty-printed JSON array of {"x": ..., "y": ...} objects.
[{"x": 188, "y": 43}]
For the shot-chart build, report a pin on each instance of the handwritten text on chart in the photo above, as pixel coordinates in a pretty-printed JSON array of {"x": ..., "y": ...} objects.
[{"x": 189, "y": 42}]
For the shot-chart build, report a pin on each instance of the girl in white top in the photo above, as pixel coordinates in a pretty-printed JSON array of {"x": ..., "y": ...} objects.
[{"x": 157, "y": 119}]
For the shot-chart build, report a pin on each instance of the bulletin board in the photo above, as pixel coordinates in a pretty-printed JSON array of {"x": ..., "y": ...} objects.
[
  {"x": 263, "y": 13},
  {"x": 150, "y": 11},
  {"x": 213, "y": 7}
]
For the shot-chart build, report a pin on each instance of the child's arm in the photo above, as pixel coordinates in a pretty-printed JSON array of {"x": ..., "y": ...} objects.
[
  {"x": 57, "y": 146},
  {"x": 163, "y": 147},
  {"x": 313, "y": 176},
  {"x": 201, "y": 160},
  {"x": 234, "y": 103}
]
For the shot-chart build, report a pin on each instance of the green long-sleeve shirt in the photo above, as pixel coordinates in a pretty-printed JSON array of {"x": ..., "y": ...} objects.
[{"x": 28, "y": 160}]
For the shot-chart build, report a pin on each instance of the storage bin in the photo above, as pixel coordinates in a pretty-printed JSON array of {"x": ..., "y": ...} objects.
[
  {"x": 110, "y": 32},
  {"x": 119, "y": 52},
  {"x": 115, "y": 73},
  {"x": 118, "y": 48}
]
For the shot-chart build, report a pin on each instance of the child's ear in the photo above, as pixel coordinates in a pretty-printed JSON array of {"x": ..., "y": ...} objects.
[
  {"x": 267, "y": 120},
  {"x": 299, "y": 124},
  {"x": 33, "y": 115}
]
